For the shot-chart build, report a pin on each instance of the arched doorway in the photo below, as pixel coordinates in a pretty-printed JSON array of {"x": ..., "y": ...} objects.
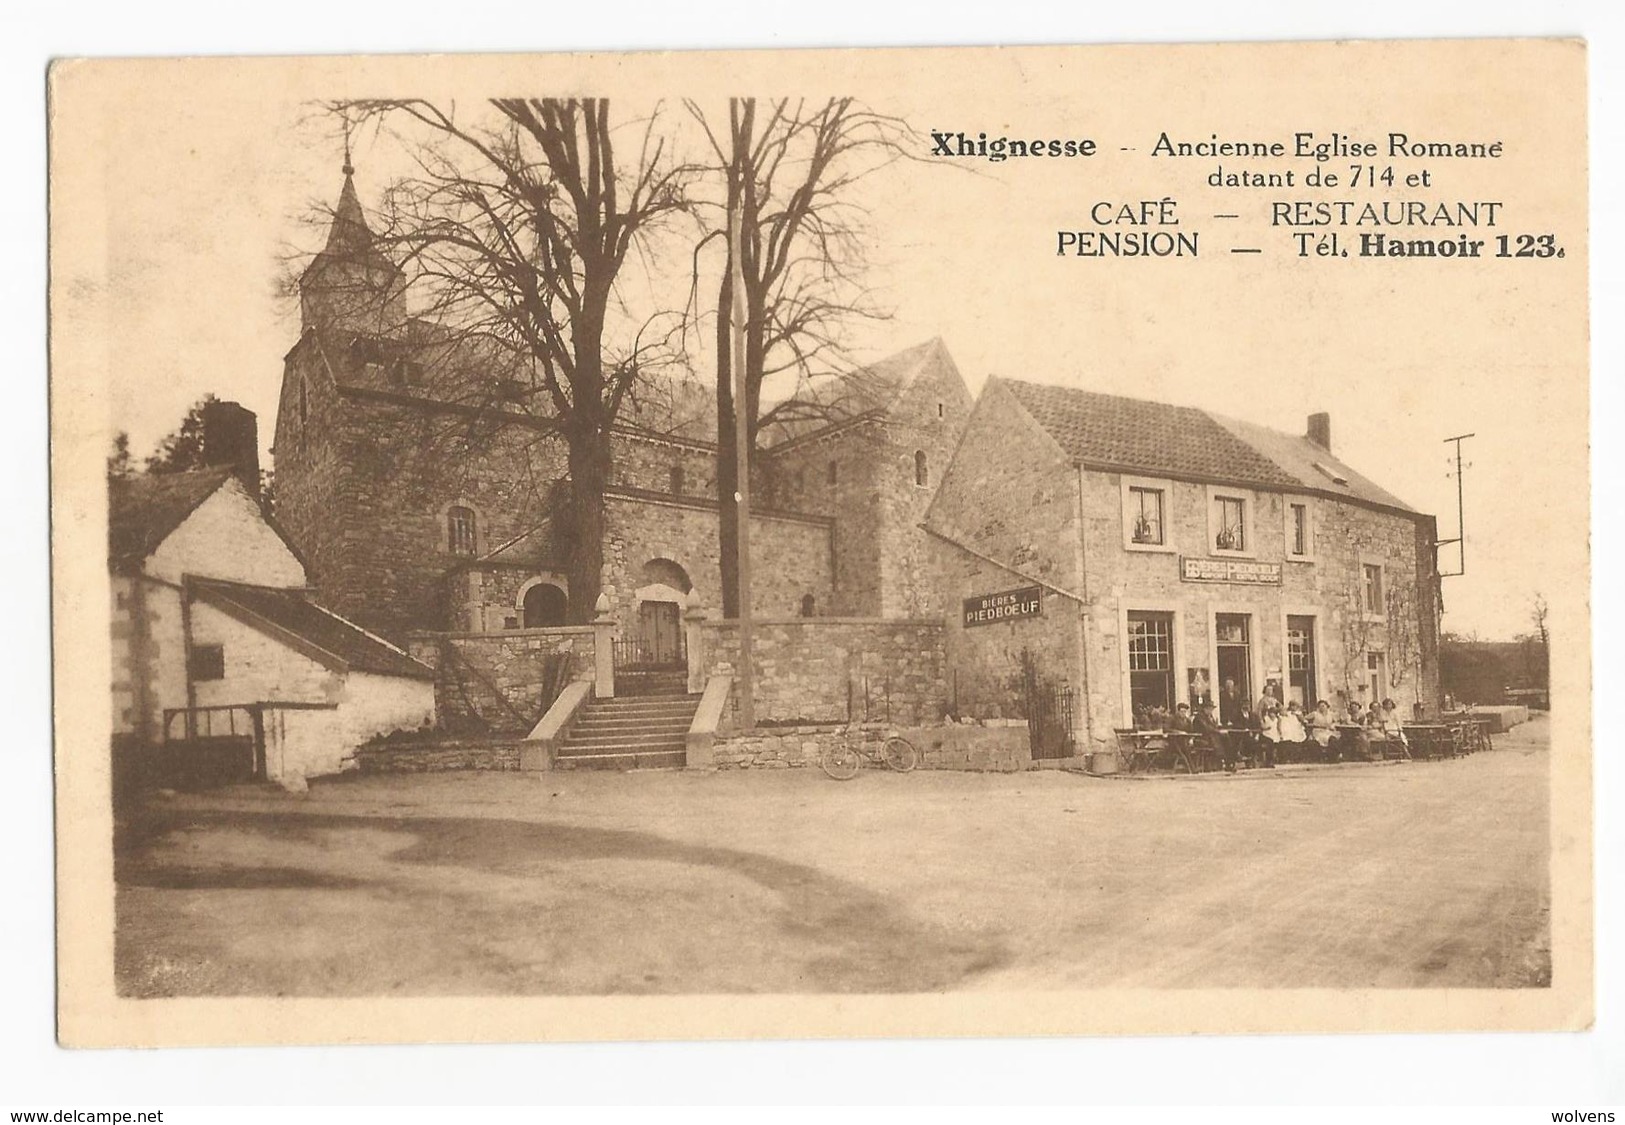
[
  {"x": 544, "y": 606},
  {"x": 659, "y": 641}
]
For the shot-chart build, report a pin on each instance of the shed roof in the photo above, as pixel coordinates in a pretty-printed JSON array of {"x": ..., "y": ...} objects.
[{"x": 291, "y": 617}]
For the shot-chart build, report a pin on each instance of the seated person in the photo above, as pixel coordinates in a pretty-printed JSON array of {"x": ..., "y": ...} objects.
[
  {"x": 1269, "y": 719},
  {"x": 1322, "y": 727},
  {"x": 1212, "y": 734},
  {"x": 1290, "y": 725},
  {"x": 1356, "y": 742},
  {"x": 1393, "y": 726},
  {"x": 1247, "y": 741},
  {"x": 1182, "y": 718}
]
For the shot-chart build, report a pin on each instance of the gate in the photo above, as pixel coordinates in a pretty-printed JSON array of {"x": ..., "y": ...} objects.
[
  {"x": 206, "y": 746},
  {"x": 1049, "y": 713}
]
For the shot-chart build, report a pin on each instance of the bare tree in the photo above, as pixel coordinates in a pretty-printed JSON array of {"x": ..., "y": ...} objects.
[
  {"x": 513, "y": 233},
  {"x": 1537, "y": 652},
  {"x": 789, "y": 169}
]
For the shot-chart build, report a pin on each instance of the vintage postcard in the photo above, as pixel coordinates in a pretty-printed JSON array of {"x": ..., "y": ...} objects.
[{"x": 822, "y": 543}]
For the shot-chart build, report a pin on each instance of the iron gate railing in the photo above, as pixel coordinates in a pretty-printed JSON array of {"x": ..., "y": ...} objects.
[
  {"x": 643, "y": 653},
  {"x": 1049, "y": 720}
]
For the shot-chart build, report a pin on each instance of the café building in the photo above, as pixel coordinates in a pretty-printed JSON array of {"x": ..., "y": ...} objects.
[{"x": 1103, "y": 556}]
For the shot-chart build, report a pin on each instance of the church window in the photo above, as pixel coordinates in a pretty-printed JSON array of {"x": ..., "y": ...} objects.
[
  {"x": 677, "y": 480},
  {"x": 808, "y": 605},
  {"x": 922, "y": 474},
  {"x": 460, "y": 530},
  {"x": 834, "y": 472},
  {"x": 941, "y": 410}
]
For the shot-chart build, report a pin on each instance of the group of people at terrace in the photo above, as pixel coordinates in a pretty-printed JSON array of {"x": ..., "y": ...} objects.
[{"x": 1232, "y": 732}]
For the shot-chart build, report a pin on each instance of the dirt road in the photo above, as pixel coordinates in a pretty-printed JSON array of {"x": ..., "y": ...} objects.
[{"x": 1407, "y": 875}]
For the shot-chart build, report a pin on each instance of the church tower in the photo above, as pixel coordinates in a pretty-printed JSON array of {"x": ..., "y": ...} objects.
[{"x": 351, "y": 285}]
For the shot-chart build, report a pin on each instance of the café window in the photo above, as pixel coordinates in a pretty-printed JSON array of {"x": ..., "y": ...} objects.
[
  {"x": 1229, "y": 523},
  {"x": 1371, "y": 593},
  {"x": 207, "y": 662},
  {"x": 1145, "y": 516},
  {"x": 1150, "y": 661},
  {"x": 461, "y": 529},
  {"x": 1300, "y": 535},
  {"x": 1146, "y": 507}
]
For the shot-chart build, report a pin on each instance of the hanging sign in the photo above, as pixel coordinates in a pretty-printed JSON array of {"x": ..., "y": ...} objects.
[{"x": 1006, "y": 605}]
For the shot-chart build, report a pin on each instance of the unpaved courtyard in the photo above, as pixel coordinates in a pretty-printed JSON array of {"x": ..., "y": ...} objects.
[{"x": 1422, "y": 874}]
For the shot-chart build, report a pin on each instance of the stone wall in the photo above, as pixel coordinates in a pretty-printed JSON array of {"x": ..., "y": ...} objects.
[
  {"x": 831, "y": 669},
  {"x": 800, "y": 481},
  {"x": 502, "y": 681},
  {"x": 435, "y": 757},
  {"x": 883, "y": 563},
  {"x": 794, "y": 554},
  {"x": 1325, "y": 587},
  {"x": 954, "y": 746},
  {"x": 1007, "y": 520},
  {"x": 645, "y": 461}
]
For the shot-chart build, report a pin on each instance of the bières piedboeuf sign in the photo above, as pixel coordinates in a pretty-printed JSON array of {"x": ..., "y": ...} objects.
[{"x": 1006, "y": 605}]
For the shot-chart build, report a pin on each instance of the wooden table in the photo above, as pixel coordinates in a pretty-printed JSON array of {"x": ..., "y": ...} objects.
[
  {"x": 1138, "y": 744},
  {"x": 1431, "y": 740}
]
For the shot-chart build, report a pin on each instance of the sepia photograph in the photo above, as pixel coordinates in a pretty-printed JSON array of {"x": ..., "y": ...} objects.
[{"x": 864, "y": 542}]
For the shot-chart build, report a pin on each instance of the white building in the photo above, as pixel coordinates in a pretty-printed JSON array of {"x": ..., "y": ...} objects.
[{"x": 214, "y": 634}]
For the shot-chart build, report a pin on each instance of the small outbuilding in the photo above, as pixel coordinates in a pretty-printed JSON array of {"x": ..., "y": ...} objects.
[{"x": 219, "y": 646}]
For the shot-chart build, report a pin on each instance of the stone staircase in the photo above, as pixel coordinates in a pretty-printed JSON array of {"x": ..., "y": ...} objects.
[{"x": 646, "y": 729}]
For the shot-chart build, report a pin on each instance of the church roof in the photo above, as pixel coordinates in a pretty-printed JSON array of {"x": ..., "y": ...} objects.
[
  {"x": 349, "y": 239},
  {"x": 145, "y": 509},
  {"x": 832, "y": 399},
  {"x": 289, "y": 616},
  {"x": 1113, "y": 432}
]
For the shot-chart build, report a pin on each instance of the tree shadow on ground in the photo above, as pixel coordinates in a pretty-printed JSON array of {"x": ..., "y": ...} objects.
[{"x": 845, "y": 937}]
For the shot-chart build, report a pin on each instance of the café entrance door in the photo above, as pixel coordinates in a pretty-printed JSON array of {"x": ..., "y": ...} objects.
[{"x": 1235, "y": 657}]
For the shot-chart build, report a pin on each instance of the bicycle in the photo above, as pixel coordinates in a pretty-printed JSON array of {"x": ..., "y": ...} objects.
[{"x": 843, "y": 759}]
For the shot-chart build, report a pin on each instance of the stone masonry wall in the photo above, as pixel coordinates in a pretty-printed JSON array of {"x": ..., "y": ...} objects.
[
  {"x": 1346, "y": 536},
  {"x": 929, "y": 418},
  {"x": 500, "y": 681},
  {"x": 795, "y": 556},
  {"x": 998, "y": 748},
  {"x": 822, "y": 670},
  {"x": 1008, "y": 511},
  {"x": 437, "y": 757},
  {"x": 799, "y": 481}
]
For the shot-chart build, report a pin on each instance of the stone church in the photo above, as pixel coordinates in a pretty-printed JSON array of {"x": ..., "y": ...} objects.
[{"x": 423, "y": 501}]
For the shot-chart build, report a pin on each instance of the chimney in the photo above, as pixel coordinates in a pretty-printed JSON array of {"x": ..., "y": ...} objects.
[
  {"x": 1320, "y": 430},
  {"x": 231, "y": 436}
]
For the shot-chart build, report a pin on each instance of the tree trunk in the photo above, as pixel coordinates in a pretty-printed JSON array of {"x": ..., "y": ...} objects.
[
  {"x": 587, "y": 433},
  {"x": 589, "y": 474}
]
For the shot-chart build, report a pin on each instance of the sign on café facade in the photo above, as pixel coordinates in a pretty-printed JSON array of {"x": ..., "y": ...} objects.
[
  {"x": 1238, "y": 571},
  {"x": 1006, "y": 605}
]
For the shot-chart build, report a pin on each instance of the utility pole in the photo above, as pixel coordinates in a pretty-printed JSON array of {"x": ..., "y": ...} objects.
[
  {"x": 1461, "y": 514},
  {"x": 738, "y": 305}
]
